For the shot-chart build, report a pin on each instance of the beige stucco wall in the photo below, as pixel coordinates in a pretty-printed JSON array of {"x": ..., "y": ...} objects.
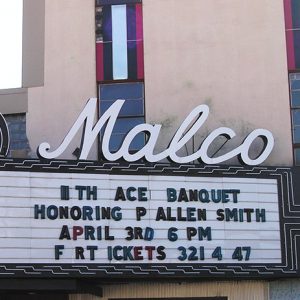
[
  {"x": 69, "y": 72},
  {"x": 229, "y": 54},
  {"x": 249, "y": 290}
]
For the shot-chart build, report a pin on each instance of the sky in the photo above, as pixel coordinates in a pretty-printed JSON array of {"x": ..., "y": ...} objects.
[{"x": 11, "y": 19}]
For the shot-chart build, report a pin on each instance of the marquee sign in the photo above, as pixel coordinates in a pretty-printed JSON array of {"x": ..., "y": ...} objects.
[
  {"x": 72, "y": 219},
  {"x": 63, "y": 218}
]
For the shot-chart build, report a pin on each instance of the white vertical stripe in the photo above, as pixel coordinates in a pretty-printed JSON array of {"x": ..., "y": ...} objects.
[
  {"x": 11, "y": 22},
  {"x": 119, "y": 41}
]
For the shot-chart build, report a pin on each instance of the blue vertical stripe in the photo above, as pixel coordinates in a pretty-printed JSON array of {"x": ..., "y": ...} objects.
[
  {"x": 107, "y": 43},
  {"x": 119, "y": 38},
  {"x": 296, "y": 13},
  {"x": 131, "y": 43},
  {"x": 297, "y": 48},
  {"x": 107, "y": 24}
]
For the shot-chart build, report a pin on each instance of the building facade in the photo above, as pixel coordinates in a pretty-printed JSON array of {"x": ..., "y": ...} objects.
[{"x": 164, "y": 58}]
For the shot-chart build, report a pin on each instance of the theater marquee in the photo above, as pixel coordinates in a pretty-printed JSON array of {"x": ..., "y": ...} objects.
[{"x": 64, "y": 218}]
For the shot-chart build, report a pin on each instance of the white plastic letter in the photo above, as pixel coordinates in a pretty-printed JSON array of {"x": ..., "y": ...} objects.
[
  {"x": 222, "y": 131},
  {"x": 184, "y": 134},
  {"x": 90, "y": 133},
  {"x": 268, "y": 140}
]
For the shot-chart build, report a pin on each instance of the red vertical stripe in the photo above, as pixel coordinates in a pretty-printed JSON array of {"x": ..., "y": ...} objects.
[
  {"x": 289, "y": 34},
  {"x": 140, "y": 42},
  {"x": 99, "y": 62},
  {"x": 290, "y": 50}
]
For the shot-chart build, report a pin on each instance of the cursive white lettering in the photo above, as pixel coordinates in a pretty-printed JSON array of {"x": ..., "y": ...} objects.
[{"x": 189, "y": 127}]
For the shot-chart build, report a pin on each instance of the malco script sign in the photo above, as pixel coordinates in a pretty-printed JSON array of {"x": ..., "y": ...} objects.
[{"x": 189, "y": 127}]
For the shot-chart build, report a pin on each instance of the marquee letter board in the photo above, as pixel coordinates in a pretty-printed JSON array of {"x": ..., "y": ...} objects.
[{"x": 111, "y": 220}]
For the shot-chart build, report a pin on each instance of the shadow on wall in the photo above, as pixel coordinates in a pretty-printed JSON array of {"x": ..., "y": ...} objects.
[{"x": 220, "y": 146}]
